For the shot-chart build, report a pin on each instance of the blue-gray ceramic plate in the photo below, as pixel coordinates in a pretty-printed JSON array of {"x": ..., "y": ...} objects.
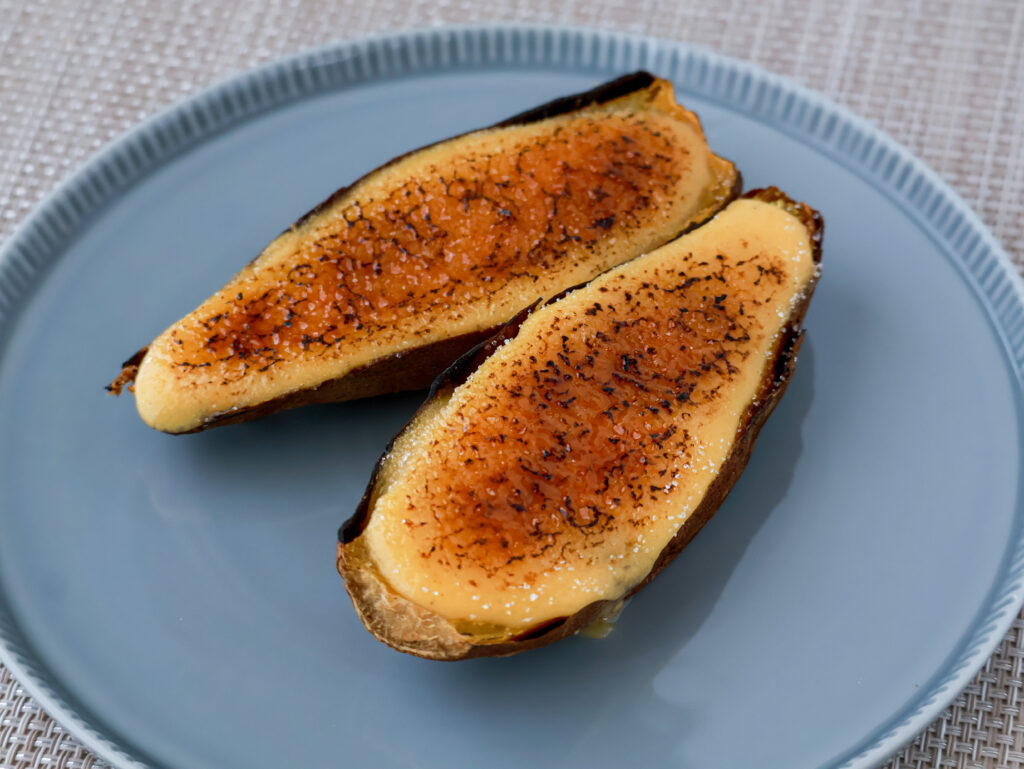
[{"x": 173, "y": 600}]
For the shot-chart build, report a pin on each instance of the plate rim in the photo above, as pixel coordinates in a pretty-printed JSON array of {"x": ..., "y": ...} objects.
[{"x": 40, "y": 239}]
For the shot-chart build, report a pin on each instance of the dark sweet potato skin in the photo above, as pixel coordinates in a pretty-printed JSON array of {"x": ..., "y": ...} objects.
[
  {"x": 365, "y": 589},
  {"x": 413, "y": 369}
]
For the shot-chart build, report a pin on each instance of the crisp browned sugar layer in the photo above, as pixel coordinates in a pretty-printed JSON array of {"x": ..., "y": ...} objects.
[
  {"x": 438, "y": 244},
  {"x": 560, "y": 470},
  {"x": 448, "y": 238}
]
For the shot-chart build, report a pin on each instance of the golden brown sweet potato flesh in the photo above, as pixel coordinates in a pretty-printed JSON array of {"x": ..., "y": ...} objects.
[
  {"x": 558, "y": 474},
  {"x": 445, "y": 243}
]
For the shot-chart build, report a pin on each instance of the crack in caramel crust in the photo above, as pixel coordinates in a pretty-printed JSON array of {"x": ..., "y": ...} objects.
[
  {"x": 447, "y": 239},
  {"x": 399, "y": 626}
]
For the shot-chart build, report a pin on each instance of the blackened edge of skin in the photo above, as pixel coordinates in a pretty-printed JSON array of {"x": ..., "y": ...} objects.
[
  {"x": 354, "y": 526},
  {"x": 128, "y": 371},
  {"x": 609, "y": 91},
  {"x": 613, "y": 89},
  {"x": 539, "y": 630},
  {"x": 457, "y": 373}
]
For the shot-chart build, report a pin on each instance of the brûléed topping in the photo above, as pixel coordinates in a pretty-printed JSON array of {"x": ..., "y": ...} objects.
[
  {"x": 448, "y": 238},
  {"x": 563, "y": 466}
]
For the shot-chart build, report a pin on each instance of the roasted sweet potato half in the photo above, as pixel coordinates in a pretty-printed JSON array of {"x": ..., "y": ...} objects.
[
  {"x": 555, "y": 470},
  {"x": 383, "y": 285}
]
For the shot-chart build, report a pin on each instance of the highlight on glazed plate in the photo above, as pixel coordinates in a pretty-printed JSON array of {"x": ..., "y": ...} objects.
[
  {"x": 555, "y": 470},
  {"x": 381, "y": 286}
]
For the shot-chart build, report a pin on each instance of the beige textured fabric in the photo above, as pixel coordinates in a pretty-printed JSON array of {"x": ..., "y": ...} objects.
[{"x": 944, "y": 77}]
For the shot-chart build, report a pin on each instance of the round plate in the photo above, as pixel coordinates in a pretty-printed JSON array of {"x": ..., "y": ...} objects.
[{"x": 174, "y": 601}]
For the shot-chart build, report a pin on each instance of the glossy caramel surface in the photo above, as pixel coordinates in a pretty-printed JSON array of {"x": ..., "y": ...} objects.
[
  {"x": 560, "y": 470},
  {"x": 452, "y": 236},
  {"x": 448, "y": 240}
]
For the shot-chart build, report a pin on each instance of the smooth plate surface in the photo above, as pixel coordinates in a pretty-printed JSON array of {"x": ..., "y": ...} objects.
[{"x": 174, "y": 599}]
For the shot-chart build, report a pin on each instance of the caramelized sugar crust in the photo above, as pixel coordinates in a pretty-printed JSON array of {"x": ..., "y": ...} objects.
[
  {"x": 445, "y": 240},
  {"x": 577, "y": 437},
  {"x": 559, "y": 471}
]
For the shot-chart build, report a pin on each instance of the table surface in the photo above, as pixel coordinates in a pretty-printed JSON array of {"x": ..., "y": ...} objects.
[{"x": 944, "y": 77}]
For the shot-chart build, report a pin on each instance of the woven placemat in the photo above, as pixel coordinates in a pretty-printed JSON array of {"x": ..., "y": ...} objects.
[{"x": 945, "y": 78}]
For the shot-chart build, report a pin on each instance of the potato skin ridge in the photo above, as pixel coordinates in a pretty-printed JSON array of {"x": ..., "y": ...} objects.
[
  {"x": 416, "y": 366},
  {"x": 412, "y": 629}
]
